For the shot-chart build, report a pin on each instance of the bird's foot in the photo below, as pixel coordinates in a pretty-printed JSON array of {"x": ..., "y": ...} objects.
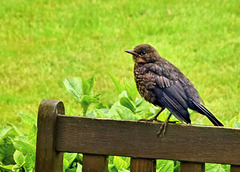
[
  {"x": 154, "y": 118},
  {"x": 162, "y": 129}
]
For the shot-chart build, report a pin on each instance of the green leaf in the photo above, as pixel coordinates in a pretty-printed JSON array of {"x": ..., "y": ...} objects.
[
  {"x": 86, "y": 101},
  {"x": 176, "y": 166},
  {"x": 99, "y": 114},
  {"x": 68, "y": 159},
  {"x": 19, "y": 158},
  {"x": 120, "y": 163},
  {"x": 18, "y": 132},
  {"x": 79, "y": 168},
  {"x": 123, "y": 94},
  {"x": 121, "y": 112},
  {"x": 74, "y": 86},
  {"x": 85, "y": 87},
  {"x": 127, "y": 159},
  {"x": 33, "y": 131},
  {"x": 112, "y": 168},
  {"x": 99, "y": 105},
  {"x": 4, "y": 132},
  {"x": 24, "y": 145},
  {"x": 79, "y": 157},
  {"x": 6, "y": 151},
  {"x": 165, "y": 165},
  {"x": 214, "y": 168},
  {"x": 29, "y": 163},
  {"x": 65, "y": 164},
  {"x": 6, "y": 167},
  {"x": 118, "y": 84},
  {"x": 142, "y": 106},
  {"x": 236, "y": 123},
  {"x": 91, "y": 83},
  {"x": 17, "y": 168},
  {"x": 125, "y": 101},
  {"x": 71, "y": 169},
  {"x": 29, "y": 120},
  {"x": 226, "y": 167},
  {"x": 132, "y": 92},
  {"x": 124, "y": 170}
]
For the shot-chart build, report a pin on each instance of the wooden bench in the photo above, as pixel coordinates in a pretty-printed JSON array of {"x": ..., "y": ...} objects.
[{"x": 97, "y": 138}]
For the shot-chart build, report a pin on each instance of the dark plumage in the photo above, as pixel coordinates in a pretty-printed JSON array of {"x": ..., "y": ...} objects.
[{"x": 164, "y": 85}]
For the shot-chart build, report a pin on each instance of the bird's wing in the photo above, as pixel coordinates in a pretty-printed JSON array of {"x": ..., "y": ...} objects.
[
  {"x": 171, "y": 73},
  {"x": 170, "y": 93}
]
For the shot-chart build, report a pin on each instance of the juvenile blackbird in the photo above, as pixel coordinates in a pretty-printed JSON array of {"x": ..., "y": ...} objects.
[{"x": 164, "y": 85}]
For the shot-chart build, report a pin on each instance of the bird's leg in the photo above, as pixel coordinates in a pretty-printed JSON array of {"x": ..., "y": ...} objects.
[
  {"x": 163, "y": 127},
  {"x": 153, "y": 118}
]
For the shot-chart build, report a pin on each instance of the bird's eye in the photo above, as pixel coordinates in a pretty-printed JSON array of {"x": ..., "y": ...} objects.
[{"x": 143, "y": 52}]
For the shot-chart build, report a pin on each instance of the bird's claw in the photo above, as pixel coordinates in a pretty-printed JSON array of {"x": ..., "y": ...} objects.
[{"x": 162, "y": 129}]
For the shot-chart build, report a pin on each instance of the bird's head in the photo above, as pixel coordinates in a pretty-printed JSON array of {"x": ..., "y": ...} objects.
[{"x": 144, "y": 53}]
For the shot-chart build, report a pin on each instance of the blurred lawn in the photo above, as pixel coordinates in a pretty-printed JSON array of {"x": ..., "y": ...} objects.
[{"x": 43, "y": 42}]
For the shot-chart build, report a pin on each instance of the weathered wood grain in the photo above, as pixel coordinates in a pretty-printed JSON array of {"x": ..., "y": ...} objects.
[
  {"x": 47, "y": 158},
  {"x": 95, "y": 163},
  {"x": 192, "y": 167},
  {"x": 139, "y": 139},
  {"x": 142, "y": 165}
]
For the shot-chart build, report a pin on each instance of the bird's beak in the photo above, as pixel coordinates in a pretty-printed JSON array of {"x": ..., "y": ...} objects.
[{"x": 131, "y": 52}]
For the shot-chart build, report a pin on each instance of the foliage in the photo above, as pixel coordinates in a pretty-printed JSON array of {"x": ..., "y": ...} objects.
[
  {"x": 42, "y": 42},
  {"x": 81, "y": 90},
  {"x": 17, "y": 147},
  {"x": 128, "y": 106}
]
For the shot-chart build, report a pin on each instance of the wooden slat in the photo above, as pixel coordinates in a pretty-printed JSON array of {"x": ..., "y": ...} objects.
[
  {"x": 47, "y": 158},
  {"x": 139, "y": 139},
  {"x": 235, "y": 168},
  {"x": 192, "y": 167},
  {"x": 142, "y": 165},
  {"x": 95, "y": 163}
]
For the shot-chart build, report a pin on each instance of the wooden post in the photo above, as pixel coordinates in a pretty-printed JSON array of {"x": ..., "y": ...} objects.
[
  {"x": 235, "y": 168},
  {"x": 192, "y": 167},
  {"x": 142, "y": 165},
  {"x": 94, "y": 163},
  {"x": 47, "y": 158}
]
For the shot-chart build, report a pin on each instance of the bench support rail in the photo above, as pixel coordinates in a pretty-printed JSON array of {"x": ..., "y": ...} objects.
[{"x": 96, "y": 139}]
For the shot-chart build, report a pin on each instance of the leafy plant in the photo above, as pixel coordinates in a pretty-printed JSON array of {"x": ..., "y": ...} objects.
[
  {"x": 71, "y": 162},
  {"x": 17, "y": 147},
  {"x": 81, "y": 90},
  {"x": 129, "y": 106}
]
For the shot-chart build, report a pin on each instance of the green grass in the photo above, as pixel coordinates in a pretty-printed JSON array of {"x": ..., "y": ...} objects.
[{"x": 43, "y": 42}]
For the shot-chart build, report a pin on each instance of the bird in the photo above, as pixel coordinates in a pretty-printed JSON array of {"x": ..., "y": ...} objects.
[{"x": 161, "y": 83}]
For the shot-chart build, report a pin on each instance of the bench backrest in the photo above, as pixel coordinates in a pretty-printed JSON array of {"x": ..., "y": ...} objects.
[{"x": 97, "y": 138}]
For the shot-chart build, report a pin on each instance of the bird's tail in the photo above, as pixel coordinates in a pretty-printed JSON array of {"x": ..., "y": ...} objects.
[{"x": 201, "y": 109}]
